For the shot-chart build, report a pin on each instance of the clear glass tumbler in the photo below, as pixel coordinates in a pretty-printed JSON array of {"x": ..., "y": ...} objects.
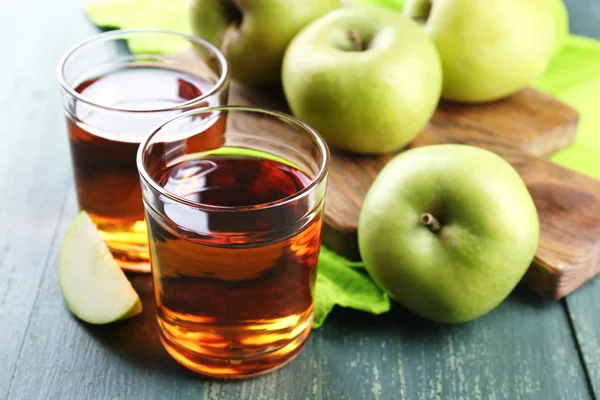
[
  {"x": 112, "y": 99},
  {"x": 235, "y": 234}
]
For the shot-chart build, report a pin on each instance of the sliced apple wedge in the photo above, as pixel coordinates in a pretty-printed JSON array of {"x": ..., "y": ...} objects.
[{"x": 94, "y": 287}]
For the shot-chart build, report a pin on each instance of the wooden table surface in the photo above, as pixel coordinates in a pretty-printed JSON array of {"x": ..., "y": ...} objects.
[{"x": 528, "y": 348}]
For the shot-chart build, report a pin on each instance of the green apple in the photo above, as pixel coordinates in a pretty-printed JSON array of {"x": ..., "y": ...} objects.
[
  {"x": 391, "y": 4},
  {"x": 489, "y": 49},
  {"x": 368, "y": 79},
  {"x": 94, "y": 287},
  {"x": 254, "y": 34},
  {"x": 448, "y": 231},
  {"x": 561, "y": 20}
]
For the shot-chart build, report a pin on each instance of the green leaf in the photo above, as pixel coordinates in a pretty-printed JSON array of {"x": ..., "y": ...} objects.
[
  {"x": 128, "y": 14},
  {"x": 340, "y": 282},
  {"x": 573, "y": 76}
]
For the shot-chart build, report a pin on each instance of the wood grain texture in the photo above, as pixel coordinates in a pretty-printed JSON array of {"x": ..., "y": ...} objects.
[
  {"x": 523, "y": 129},
  {"x": 475, "y": 125},
  {"x": 530, "y": 121},
  {"x": 34, "y": 168},
  {"x": 585, "y": 318},
  {"x": 568, "y": 205},
  {"x": 522, "y": 350}
]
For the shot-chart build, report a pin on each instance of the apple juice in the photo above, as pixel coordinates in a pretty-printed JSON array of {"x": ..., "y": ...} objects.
[
  {"x": 104, "y": 143},
  {"x": 231, "y": 303}
]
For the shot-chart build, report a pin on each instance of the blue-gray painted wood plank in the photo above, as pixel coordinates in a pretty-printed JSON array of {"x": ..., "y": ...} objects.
[
  {"x": 34, "y": 168},
  {"x": 584, "y": 18},
  {"x": 522, "y": 350},
  {"x": 585, "y": 315}
]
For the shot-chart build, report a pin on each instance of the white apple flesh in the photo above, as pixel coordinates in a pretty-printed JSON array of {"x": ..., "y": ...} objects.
[{"x": 93, "y": 286}]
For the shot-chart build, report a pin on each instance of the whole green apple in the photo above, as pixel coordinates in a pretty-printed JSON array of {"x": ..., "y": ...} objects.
[
  {"x": 254, "y": 34},
  {"x": 367, "y": 78},
  {"x": 489, "y": 49},
  {"x": 448, "y": 231}
]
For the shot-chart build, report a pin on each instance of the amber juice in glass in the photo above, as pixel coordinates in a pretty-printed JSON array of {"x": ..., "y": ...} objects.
[
  {"x": 112, "y": 100},
  {"x": 234, "y": 234}
]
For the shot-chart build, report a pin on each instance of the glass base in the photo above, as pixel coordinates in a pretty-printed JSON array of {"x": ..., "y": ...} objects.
[
  {"x": 128, "y": 245},
  {"x": 223, "y": 367},
  {"x": 141, "y": 266},
  {"x": 131, "y": 258}
]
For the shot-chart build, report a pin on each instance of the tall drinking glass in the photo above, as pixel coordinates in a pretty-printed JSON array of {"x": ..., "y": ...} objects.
[
  {"x": 112, "y": 99},
  {"x": 235, "y": 233}
]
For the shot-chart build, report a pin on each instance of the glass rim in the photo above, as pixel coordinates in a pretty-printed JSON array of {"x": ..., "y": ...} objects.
[
  {"x": 124, "y": 33},
  {"x": 319, "y": 177}
]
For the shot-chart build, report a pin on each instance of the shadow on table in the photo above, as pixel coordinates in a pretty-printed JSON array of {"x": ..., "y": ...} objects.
[
  {"x": 136, "y": 339},
  {"x": 527, "y": 297},
  {"x": 402, "y": 322}
]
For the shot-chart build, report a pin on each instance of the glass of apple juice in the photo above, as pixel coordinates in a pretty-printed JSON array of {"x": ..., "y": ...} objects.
[
  {"x": 235, "y": 233},
  {"x": 112, "y": 99}
]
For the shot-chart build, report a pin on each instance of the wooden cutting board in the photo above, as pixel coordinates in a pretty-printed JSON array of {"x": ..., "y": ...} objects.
[{"x": 523, "y": 128}]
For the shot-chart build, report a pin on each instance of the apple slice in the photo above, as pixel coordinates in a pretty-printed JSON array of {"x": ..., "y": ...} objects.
[{"x": 94, "y": 287}]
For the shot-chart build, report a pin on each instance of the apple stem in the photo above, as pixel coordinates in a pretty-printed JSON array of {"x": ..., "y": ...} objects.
[
  {"x": 357, "y": 43},
  {"x": 431, "y": 222}
]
